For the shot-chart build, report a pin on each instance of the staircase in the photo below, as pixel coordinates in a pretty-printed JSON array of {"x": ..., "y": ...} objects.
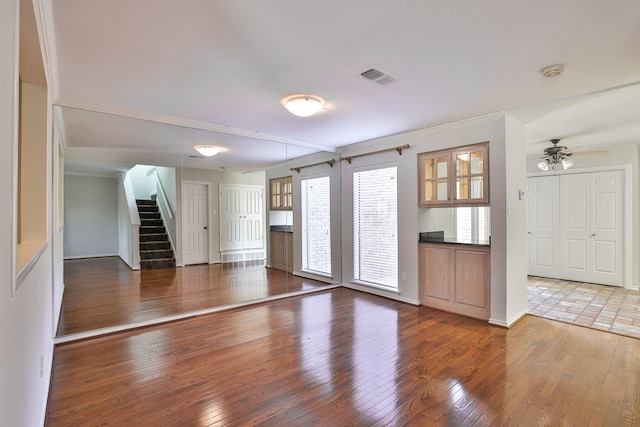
[{"x": 155, "y": 247}]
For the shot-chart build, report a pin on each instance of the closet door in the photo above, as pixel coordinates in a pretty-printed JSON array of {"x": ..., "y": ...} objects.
[
  {"x": 544, "y": 212},
  {"x": 592, "y": 227}
]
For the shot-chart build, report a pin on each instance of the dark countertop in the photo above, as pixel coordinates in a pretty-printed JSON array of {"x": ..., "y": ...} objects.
[
  {"x": 438, "y": 237},
  {"x": 282, "y": 228}
]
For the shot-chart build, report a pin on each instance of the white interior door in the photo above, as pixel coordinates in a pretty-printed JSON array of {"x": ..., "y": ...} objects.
[
  {"x": 253, "y": 236},
  {"x": 543, "y": 230},
  {"x": 592, "y": 227},
  {"x": 231, "y": 212},
  {"x": 195, "y": 219}
]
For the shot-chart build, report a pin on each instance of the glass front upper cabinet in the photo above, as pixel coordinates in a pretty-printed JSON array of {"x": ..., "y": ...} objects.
[
  {"x": 455, "y": 177},
  {"x": 281, "y": 190}
]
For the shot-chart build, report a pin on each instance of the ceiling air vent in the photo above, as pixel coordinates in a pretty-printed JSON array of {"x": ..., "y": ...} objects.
[{"x": 376, "y": 75}]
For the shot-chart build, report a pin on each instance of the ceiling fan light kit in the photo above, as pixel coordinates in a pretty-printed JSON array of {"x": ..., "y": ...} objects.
[
  {"x": 207, "y": 150},
  {"x": 303, "y": 105},
  {"x": 561, "y": 155}
]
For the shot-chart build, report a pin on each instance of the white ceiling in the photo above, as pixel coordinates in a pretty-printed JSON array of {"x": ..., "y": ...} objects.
[{"x": 224, "y": 66}]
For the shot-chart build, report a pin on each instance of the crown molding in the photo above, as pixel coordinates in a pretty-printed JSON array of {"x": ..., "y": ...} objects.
[{"x": 401, "y": 138}]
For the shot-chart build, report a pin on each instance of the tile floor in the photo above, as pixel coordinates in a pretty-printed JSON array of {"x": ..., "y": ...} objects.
[{"x": 601, "y": 307}]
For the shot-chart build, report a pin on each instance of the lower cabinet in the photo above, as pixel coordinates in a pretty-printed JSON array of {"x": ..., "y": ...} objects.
[
  {"x": 281, "y": 250},
  {"x": 456, "y": 278}
]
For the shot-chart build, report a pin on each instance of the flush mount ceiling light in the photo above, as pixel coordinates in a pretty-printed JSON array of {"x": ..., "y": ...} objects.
[
  {"x": 303, "y": 105},
  {"x": 207, "y": 150},
  {"x": 552, "y": 70}
]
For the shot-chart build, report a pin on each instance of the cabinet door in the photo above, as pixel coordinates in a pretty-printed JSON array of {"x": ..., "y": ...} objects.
[
  {"x": 471, "y": 278},
  {"x": 280, "y": 194},
  {"x": 289, "y": 251},
  {"x": 277, "y": 245},
  {"x": 436, "y": 273},
  {"x": 470, "y": 166},
  {"x": 434, "y": 183},
  {"x": 454, "y": 177}
]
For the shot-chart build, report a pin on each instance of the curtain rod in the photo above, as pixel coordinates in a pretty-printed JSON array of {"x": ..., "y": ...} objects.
[
  {"x": 398, "y": 149},
  {"x": 329, "y": 162}
]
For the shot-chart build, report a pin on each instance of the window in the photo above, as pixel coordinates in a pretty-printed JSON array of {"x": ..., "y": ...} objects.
[
  {"x": 375, "y": 226},
  {"x": 473, "y": 223},
  {"x": 316, "y": 224}
]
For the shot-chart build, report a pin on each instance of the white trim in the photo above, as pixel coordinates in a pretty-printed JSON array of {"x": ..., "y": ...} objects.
[
  {"x": 43, "y": 10},
  {"x": 391, "y": 141},
  {"x": 120, "y": 328},
  {"x": 91, "y": 256},
  {"x": 94, "y": 174},
  {"x": 193, "y": 124},
  {"x": 209, "y": 221},
  {"x": 380, "y": 292},
  {"x": 24, "y": 272},
  {"x": 316, "y": 276},
  {"x": 13, "y": 151}
]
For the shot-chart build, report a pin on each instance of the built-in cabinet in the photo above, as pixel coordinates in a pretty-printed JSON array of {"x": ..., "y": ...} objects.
[
  {"x": 456, "y": 278},
  {"x": 452, "y": 177},
  {"x": 281, "y": 250},
  {"x": 281, "y": 190}
]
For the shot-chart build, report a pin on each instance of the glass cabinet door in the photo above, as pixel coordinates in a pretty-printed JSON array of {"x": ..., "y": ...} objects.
[
  {"x": 454, "y": 177},
  {"x": 435, "y": 185},
  {"x": 470, "y": 171}
]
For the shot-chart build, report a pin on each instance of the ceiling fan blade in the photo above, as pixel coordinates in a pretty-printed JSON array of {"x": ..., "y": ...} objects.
[
  {"x": 591, "y": 153},
  {"x": 574, "y": 149}
]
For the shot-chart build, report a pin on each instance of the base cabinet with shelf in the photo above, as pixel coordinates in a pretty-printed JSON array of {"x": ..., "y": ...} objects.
[
  {"x": 281, "y": 250},
  {"x": 456, "y": 278}
]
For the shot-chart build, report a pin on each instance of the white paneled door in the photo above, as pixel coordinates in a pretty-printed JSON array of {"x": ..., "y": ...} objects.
[
  {"x": 592, "y": 224},
  {"x": 195, "y": 220},
  {"x": 241, "y": 217},
  {"x": 544, "y": 211}
]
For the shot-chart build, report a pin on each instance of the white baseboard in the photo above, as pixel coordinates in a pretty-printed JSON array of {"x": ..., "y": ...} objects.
[
  {"x": 509, "y": 323},
  {"x": 381, "y": 293},
  {"x": 90, "y": 256}
]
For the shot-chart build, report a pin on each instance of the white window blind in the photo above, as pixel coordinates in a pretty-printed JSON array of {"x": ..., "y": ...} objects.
[
  {"x": 375, "y": 226},
  {"x": 316, "y": 224}
]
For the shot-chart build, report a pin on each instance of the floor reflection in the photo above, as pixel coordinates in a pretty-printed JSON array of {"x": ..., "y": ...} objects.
[{"x": 105, "y": 292}]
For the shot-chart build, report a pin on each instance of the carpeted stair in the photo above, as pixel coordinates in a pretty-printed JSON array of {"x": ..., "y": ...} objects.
[{"x": 155, "y": 247}]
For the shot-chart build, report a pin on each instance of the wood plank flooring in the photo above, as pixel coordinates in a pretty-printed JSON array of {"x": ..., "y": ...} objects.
[
  {"x": 342, "y": 357},
  {"x": 103, "y": 292}
]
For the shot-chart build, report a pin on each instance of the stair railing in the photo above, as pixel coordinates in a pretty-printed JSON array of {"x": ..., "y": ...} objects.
[{"x": 165, "y": 210}]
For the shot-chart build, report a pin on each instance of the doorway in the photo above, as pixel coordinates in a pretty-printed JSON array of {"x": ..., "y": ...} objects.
[
  {"x": 577, "y": 226},
  {"x": 195, "y": 214}
]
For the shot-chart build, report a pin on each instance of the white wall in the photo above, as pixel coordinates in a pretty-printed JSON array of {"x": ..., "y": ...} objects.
[
  {"x": 26, "y": 318},
  {"x": 91, "y": 216},
  {"x": 516, "y": 255},
  {"x": 411, "y": 217},
  {"x": 144, "y": 182},
  {"x": 336, "y": 207}
]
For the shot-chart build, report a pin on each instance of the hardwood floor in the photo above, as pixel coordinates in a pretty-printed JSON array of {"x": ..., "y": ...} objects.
[
  {"x": 342, "y": 357},
  {"x": 103, "y": 292}
]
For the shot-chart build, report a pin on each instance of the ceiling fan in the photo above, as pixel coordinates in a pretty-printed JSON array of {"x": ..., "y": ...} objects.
[{"x": 561, "y": 155}]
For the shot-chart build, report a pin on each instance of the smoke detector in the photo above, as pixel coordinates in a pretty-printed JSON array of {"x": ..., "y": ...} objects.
[
  {"x": 552, "y": 70},
  {"x": 377, "y": 75}
]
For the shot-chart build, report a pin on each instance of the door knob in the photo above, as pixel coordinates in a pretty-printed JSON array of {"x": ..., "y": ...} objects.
[
  {"x": 205, "y": 228},
  {"x": 593, "y": 235}
]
